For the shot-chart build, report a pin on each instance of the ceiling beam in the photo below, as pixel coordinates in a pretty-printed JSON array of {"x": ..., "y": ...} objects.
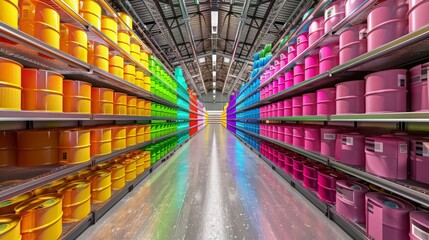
[
  {"x": 191, "y": 38},
  {"x": 243, "y": 18}
]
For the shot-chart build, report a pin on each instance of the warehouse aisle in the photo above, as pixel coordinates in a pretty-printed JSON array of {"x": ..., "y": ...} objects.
[{"x": 214, "y": 188}]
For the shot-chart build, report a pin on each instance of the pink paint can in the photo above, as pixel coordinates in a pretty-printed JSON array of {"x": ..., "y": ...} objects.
[
  {"x": 288, "y": 134},
  {"x": 328, "y": 140},
  {"x": 387, "y": 217},
  {"x": 353, "y": 43},
  {"x": 350, "y": 149},
  {"x": 301, "y": 42},
  {"x": 419, "y": 88},
  {"x": 280, "y": 109},
  {"x": 329, "y": 57},
  {"x": 419, "y": 160},
  {"x": 287, "y": 103},
  {"x": 311, "y": 64},
  {"x": 289, "y": 79},
  {"x": 334, "y": 13},
  {"x": 298, "y": 169},
  {"x": 387, "y": 21},
  {"x": 418, "y": 16},
  {"x": 282, "y": 84},
  {"x": 350, "y": 97},
  {"x": 298, "y": 137},
  {"x": 298, "y": 74},
  {"x": 288, "y": 164},
  {"x": 350, "y": 200},
  {"x": 326, "y": 189},
  {"x": 386, "y": 157},
  {"x": 312, "y": 139},
  {"x": 275, "y": 86},
  {"x": 326, "y": 101},
  {"x": 315, "y": 30},
  {"x": 309, "y": 103},
  {"x": 386, "y": 91},
  {"x": 276, "y": 64},
  {"x": 281, "y": 131},
  {"x": 291, "y": 52},
  {"x": 419, "y": 225},
  {"x": 283, "y": 59},
  {"x": 297, "y": 106},
  {"x": 352, "y": 5}
]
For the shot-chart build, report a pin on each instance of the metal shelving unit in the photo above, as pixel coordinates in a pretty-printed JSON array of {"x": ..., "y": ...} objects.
[
  {"x": 354, "y": 230},
  {"x": 34, "y": 53},
  {"x": 383, "y": 117},
  {"x": 316, "y": 11},
  {"x": 355, "y": 17},
  {"x": 408, "y": 189},
  {"x": 36, "y": 177},
  {"x": 42, "y": 116},
  {"x": 73, "y": 230},
  {"x": 402, "y": 52},
  {"x": 59, "y": 116},
  {"x": 365, "y": 117}
]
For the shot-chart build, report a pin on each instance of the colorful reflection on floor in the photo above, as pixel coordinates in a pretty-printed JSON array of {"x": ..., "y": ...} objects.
[{"x": 214, "y": 188}]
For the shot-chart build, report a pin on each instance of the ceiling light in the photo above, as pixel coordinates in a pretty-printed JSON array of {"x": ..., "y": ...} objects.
[
  {"x": 215, "y": 16},
  {"x": 214, "y": 73},
  {"x": 214, "y": 91},
  {"x": 214, "y": 59},
  {"x": 202, "y": 60},
  {"x": 226, "y": 60},
  {"x": 214, "y": 84}
]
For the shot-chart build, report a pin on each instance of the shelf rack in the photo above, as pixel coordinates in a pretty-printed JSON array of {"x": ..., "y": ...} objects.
[
  {"x": 356, "y": 16},
  {"x": 365, "y": 117},
  {"x": 39, "y": 176},
  {"x": 402, "y": 52},
  {"x": 354, "y": 230},
  {"x": 34, "y": 53},
  {"x": 73, "y": 230},
  {"x": 410, "y": 190}
]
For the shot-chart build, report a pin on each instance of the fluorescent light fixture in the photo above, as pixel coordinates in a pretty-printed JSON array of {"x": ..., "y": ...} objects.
[
  {"x": 214, "y": 59},
  {"x": 202, "y": 60},
  {"x": 214, "y": 73},
  {"x": 214, "y": 91},
  {"x": 214, "y": 84},
  {"x": 226, "y": 60},
  {"x": 214, "y": 96},
  {"x": 215, "y": 19}
]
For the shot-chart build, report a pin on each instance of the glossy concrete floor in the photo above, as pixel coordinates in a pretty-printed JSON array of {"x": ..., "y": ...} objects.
[{"x": 214, "y": 188}]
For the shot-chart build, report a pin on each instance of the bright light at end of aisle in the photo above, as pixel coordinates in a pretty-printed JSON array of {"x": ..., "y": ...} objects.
[
  {"x": 215, "y": 16},
  {"x": 214, "y": 59}
]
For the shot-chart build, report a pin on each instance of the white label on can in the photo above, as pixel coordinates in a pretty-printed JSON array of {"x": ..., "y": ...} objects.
[
  {"x": 403, "y": 148},
  {"x": 425, "y": 146},
  {"x": 402, "y": 80},
  {"x": 419, "y": 233},
  {"x": 329, "y": 136},
  {"x": 378, "y": 147},
  {"x": 349, "y": 141},
  {"x": 329, "y": 12},
  {"x": 424, "y": 74}
]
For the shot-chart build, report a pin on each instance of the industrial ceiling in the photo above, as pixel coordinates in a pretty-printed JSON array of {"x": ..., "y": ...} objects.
[{"x": 212, "y": 40}]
